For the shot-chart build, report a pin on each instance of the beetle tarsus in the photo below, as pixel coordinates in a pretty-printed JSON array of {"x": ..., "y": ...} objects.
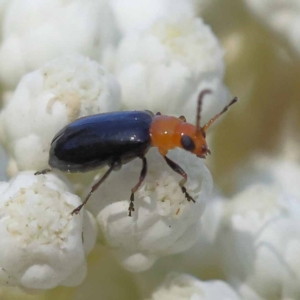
[
  {"x": 131, "y": 206},
  {"x": 45, "y": 171},
  {"x": 136, "y": 187},
  {"x": 77, "y": 210},
  {"x": 187, "y": 195}
]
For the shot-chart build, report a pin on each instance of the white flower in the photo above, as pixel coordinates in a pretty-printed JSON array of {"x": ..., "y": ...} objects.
[
  {"x": 273, "y": 213},
  {"x": 163, "y": 222},
  {"x": 281, "y": 16},
  {"x": 136, "y": 15},
  {"x": 164, "y": 68},
  {"x": 41, "y": 244},
  {"x": 35, "y": 32},
  {"x": 186, "y": 287},
  {"x": 260, "y": 242},
  {"x": 48, "y": 99}
]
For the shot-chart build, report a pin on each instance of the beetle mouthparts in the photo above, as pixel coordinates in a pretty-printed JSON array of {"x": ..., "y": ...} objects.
[{"x": 207, "y": 151}]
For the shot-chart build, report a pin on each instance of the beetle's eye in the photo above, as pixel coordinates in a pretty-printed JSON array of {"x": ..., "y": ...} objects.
[{"x": 187, "y": 143}]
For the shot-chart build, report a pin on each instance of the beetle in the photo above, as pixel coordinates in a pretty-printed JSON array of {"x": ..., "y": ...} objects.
[{"x": 116, "y": 138}]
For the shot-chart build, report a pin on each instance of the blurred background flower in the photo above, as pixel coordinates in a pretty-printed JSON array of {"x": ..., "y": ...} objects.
[{"x": 63, "y": 59}]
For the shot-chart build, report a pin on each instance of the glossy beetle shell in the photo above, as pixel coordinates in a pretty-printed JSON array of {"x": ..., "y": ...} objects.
[{"x": 105, "y": 139}]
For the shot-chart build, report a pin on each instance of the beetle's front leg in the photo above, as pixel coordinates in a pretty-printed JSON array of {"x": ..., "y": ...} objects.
[{"x": 175, "y": 167}]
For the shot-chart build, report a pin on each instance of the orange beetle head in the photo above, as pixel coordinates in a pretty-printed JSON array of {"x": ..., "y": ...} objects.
[
  {"x": 193, "y": 141},
  {"x": 193, "y": 138}
]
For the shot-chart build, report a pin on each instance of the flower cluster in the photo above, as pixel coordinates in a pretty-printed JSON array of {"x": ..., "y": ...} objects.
[
  {"x": 42, "y": 245},
  {"x": 61, "y": 60}
]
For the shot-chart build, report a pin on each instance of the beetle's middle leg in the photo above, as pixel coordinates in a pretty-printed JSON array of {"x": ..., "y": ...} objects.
[
  {"x": 94, "y": 188},
  {"x": 45, "y": 171},
  {"x": 175, "y": 167},
  {"x": 136, "y": 187}
]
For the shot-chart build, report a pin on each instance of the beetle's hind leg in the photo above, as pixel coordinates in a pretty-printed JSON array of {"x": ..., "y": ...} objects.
[
  {"x": 94, "y": 188},
  {"x": 45, "y": 171},
  {"x": 136, "y": 187},
  {"x": 175, "y": 167}
]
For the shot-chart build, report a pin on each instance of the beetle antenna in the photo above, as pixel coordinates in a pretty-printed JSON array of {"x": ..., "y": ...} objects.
[
  {"x": 200, "y": 100},
  {"x": 206, "y": 126}
]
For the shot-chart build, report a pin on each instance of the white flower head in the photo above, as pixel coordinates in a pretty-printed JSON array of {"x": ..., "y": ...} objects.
[
  {"x": 35, "y": 32},
  {"x": 186, "y": 287},
  {"x": 263, "y": 231},
  {"x": 260, "y": 242},
  {"x": 41, "y": 244},
  {"x": 163, "y": 222},
  {"x": 164, "y": 68},
  {"x": 48, "y": 99}
]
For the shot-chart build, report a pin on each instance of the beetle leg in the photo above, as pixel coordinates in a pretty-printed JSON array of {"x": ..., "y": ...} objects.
[
  {"x": 136, "y": 187},
  {"x": 45, "y": 171},
  {"x": 175, "y": 167},
  {"x": 94, "y": 188},
  {"x": 182, "y": 118}
]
